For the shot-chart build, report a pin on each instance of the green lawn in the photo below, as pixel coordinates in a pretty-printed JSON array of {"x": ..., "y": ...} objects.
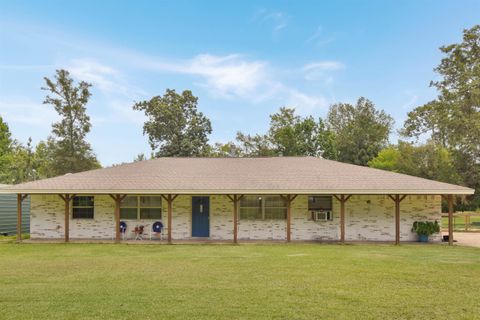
[{"x": 298, "y": 281}]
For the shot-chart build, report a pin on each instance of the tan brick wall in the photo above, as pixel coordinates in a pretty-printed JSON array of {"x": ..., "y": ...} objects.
[{"x": 366, "y": 218}]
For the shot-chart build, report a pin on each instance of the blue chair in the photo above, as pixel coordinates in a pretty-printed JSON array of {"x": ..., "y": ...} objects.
[
  {"x": 123, "y": 229},
  {"x": 157, "y": 228}
]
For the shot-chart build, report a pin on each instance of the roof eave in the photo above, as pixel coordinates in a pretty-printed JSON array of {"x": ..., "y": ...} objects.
[{"x": 462, "y": 191}]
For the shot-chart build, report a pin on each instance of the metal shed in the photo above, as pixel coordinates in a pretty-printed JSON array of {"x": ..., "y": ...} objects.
[{"x": 8, "y": 213}]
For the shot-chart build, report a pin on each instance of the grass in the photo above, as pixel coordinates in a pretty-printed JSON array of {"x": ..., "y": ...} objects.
[{"x": 298, "y": 281}]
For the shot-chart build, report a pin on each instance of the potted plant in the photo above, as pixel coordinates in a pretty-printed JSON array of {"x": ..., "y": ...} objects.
[{"x": 425, "y": 229}]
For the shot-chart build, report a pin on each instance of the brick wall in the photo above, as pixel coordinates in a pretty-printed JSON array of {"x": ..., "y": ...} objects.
[{"x": 366, "y": 218}]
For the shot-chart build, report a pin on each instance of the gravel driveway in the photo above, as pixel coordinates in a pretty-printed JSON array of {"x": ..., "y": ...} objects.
[{"x": 467, "y": 238}]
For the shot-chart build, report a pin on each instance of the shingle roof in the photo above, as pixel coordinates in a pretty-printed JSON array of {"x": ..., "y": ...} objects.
[{"x": 303, "y": 175}]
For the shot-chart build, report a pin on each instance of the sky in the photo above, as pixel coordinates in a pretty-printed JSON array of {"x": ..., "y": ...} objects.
[{"x": 242, "y": 59}]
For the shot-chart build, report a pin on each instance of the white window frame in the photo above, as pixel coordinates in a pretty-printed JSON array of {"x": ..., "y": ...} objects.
[{"x": 138, "y": 206}]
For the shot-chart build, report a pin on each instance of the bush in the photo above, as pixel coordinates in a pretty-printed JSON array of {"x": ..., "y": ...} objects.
[{"x": 426, "y": 227}]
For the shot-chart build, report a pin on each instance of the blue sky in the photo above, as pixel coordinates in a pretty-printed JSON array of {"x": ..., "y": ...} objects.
[{"x": 243, "y": 59}]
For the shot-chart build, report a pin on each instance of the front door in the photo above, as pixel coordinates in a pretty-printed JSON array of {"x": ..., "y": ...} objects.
[{"x": 200, "y": 216}]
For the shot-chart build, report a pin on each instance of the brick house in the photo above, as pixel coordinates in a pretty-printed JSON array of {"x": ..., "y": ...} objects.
[{"x": 235, "y": 199}]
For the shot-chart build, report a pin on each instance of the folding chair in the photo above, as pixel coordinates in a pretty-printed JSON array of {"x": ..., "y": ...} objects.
[
  {"x": 157, "y": 228},
  {"x": 123, "y": 229}
]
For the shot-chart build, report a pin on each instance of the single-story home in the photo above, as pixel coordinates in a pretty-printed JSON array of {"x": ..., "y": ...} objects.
[{"x": 235, "y": 199}]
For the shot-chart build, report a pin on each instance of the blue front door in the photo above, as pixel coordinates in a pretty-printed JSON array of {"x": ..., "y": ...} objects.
[{"x": 200, "y": 216}]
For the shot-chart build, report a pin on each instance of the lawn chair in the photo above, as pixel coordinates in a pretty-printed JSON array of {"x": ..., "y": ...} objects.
[
  {"x": 123, "y": 229},
  {"x": 157, "y": 228},
  {"x": 139, "y": 232}
]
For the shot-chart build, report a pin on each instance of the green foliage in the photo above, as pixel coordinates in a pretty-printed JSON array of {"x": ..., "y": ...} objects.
[
  {"x": 67, "y": 148},
  {"x": 289, "y": 135},
  {"x": 6, "y": 156},
  {"x": 361, "y": 131},
  {"x": 426, "y": 228},
  {"x": 175, "y": 127},
  {"x": 428, "y": 161},
  {"x": 453, "y": 119}
]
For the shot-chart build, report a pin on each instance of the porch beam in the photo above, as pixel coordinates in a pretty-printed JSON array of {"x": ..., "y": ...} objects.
[{"x": 450, "y": 219}]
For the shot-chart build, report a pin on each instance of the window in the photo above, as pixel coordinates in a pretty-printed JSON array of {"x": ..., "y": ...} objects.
[
  {"x": 320, "y": 203},
  {"x": 83, "y": 207},
  {"x": 320, "y": 208},
  {"x": 263, "y": 208},
  {"x": 141, "y": 207}
]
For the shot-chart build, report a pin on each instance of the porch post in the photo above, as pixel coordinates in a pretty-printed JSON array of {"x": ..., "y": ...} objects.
[
  {"x": 397, "y": 199},
  {"x": 235, "y": 219},
  {"x": 19, "y": 217},
  {"x": 289, "y": 199},
  {"x": 169, "y": 198},
  {"x": 117, "y": 198},
  {"x": 235, "y": 199},
  {"x": 450, "y": 219},
  {"x": 66, "y": 199},
  {"x": 342, "y": 199}
]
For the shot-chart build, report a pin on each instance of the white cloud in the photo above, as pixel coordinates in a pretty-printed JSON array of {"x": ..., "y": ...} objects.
[
  {"x": 26, "y": 111},
  {"x": 102, "y": 76},
  {"x": 321, "y": 70},
  {"x": 226, "y": 76},
  {"x": 275, "y": 19},
  {"x": 318, "y": 38}
]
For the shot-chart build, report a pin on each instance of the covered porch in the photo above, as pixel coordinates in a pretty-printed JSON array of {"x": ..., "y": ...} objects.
[{"x": 234, "y": 216}]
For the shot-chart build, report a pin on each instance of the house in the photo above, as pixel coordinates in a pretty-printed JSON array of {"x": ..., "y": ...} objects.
[
  {"x": 235, "y": 199},
  {"x": 8, "y": 213}
]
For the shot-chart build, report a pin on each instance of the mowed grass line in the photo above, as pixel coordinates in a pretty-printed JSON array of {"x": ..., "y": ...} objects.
[{"x": 298, "y": 281}]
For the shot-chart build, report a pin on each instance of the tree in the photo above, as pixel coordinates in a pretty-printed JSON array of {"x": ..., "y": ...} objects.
[
  {"x": 293, "y": 135},
  {"x": 428, "y": 160},
  {"x": 6, "y": 156},
  {"x": 289, "y": 135},
  {"x": 69, "y": 150},
  {"x": 453, "y": 119},
  {"x": 175, "y": 127},
  {"x": 361, "y": 131}
]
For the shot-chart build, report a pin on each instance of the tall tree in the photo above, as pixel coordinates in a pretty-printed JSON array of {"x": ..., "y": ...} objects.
[
  {"x": 175, "y": 127},
  {"x": 70, "y": 152},
  {"x": 290, "y": 135},
  {"x": 6, "y": 152},
  {"x": 361, "y": 131},
  {"x": 428, "y": 160},
  {"x": 453, "y": 119}
]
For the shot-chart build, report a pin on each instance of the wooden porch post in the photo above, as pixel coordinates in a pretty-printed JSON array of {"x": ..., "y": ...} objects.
[
  {"x": 342, "y": 199},
  {"x": 66, "y": 199},
  {"x": 117, "y": 198},
  {"x": 289, "y": 199},
  {"x": 20, "y": 198},
  {"x": 397, "y": 199},
  {"x": 170, "y": 198},
  {"x": 450, "y": 219},
  {"x": 235, "y": 199}
]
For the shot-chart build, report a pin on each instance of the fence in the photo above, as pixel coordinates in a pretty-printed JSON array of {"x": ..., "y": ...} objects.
[{"x": 463, "y": 221}]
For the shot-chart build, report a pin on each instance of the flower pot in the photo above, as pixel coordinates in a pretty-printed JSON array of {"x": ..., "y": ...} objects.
[{"x": 423, "y": 237}]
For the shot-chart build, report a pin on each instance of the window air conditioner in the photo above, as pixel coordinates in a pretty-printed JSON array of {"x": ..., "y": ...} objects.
[{"x": 322, "y": 215}]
